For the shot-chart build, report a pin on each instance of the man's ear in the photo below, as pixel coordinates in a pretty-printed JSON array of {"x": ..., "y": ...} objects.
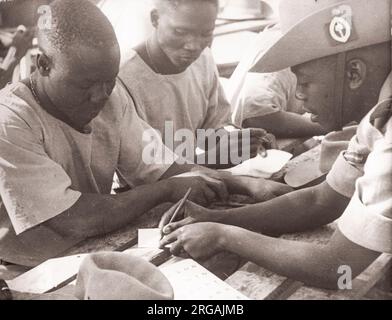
[
  {"x": 43, "y": 64},
  {"x": 356, "y": 73},
  {"x": 154, "y": 15}
]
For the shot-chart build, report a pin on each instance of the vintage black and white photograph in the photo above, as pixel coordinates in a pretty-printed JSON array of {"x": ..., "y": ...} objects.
[{"x": 195, "y": 150}]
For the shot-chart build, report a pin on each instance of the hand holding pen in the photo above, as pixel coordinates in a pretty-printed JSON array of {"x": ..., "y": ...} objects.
[{"x": 173, "y": 212}]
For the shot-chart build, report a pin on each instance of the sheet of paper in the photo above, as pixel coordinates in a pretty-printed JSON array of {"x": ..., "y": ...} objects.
[
  {"x": 260, "y": 167},
  {"x": 149, "y": 238},
  {"x": 47, "y": 275},
  {"x": 191, "y": 281}
]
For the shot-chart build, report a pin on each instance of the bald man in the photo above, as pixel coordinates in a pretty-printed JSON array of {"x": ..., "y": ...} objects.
[{"x": 63, "y": 134}]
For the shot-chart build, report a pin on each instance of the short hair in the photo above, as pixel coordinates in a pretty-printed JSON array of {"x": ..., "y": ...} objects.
[
  {"x": 75, "y": 22},
  {"x": 175, "y": 3}
]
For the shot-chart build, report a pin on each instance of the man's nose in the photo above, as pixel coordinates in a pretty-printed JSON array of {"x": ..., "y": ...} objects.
[
  {"x": 100, "y": 93},
  {"x": 193, "y": 44}
]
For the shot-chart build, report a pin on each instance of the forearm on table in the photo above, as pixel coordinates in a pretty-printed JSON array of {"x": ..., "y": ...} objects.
[
  {"x": 177, "y": 169},
  {"x": 206, "y": 160},
  {"x": 215, "y": 155},
  {"x": 293, "y": 212},
  {"x": 305, "y": 262},
  {"x": 311, "y": 263},
  {"x": 96, "y": 214},
  {"x": 212, "y": 159},
  {"x": 285, "y": 125},
  {"x": 235, "y": 184}
]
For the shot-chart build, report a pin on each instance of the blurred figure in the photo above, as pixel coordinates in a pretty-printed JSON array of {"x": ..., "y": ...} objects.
[{"x": 21, "y": 43}]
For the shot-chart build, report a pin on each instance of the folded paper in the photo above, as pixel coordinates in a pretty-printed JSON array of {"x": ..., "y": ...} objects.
[{"x": 262, "y": 167}]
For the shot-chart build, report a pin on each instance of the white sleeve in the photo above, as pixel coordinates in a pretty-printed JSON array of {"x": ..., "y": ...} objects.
[
  {"x": 33, "y": 187},
  {"x": 367, "y": 221}
]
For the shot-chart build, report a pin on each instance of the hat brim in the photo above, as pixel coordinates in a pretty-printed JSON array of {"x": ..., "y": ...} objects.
[
  {"x": 121, "y": 276},
  {"x": 237, "y": 15},
  {"x": 310, "y": 39},
  {"x": 305, "y": 174}
]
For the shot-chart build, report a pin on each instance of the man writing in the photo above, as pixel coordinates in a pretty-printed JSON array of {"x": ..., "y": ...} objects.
[
  {"x": 63, "y": 134},
  {"x": 339, "y": 68}
]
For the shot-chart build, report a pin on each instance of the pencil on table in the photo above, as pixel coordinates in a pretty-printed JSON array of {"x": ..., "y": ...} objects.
[{"x": 180, "y": 205}]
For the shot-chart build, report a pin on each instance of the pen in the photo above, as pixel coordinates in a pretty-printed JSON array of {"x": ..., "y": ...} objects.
[
  {"x": 177, "y": 210},
  {"x": 180, "y": 205}
]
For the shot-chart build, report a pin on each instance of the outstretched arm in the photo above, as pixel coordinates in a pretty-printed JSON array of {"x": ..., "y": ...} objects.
[
  {"x": 310, "y": 263},
  {"x": 96, "y": 214},
  {"x": 292, "y": 212},
  {"x": 284, "y": 124},
  {"x": 313, "y": 264}
]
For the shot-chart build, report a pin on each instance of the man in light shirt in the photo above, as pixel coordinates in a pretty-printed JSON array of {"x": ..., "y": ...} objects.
[
  {"x": 63, "y": 134},
  {"x": 174, "y": 80}
]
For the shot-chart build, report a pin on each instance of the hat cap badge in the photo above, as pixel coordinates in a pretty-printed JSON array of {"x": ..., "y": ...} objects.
[{"x": 340, "y": 27}]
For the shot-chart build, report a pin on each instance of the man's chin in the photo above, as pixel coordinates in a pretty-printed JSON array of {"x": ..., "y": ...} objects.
[
  {"x": 86, "y": 121},
  {"x": 181, "y": 67},
  {"x": 183, "y": 64}
]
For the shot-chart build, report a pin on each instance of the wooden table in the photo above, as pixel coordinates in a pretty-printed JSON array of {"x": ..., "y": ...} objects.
[
  {"x": 258, "y": 283},
  {"x": 251, "y": 280}
]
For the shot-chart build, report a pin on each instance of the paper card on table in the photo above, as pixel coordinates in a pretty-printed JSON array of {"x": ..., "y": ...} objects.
[
  {"x": 47, "y": 275},
  {"x": 273, "y": 162},
  {"x": 150, "y": 238},
  {"x": 260, "y": 167},
  {"x": 191, "y": 281}
]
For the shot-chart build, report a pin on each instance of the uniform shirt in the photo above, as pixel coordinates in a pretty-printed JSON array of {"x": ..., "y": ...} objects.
[
  {"x": 193, "y": 99},
  {"x": 267, "y": 93},
  {"x": 364, "y": 173},
  {"x": 260, "y": 94},
  {"x": 45, "y": 166}
]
